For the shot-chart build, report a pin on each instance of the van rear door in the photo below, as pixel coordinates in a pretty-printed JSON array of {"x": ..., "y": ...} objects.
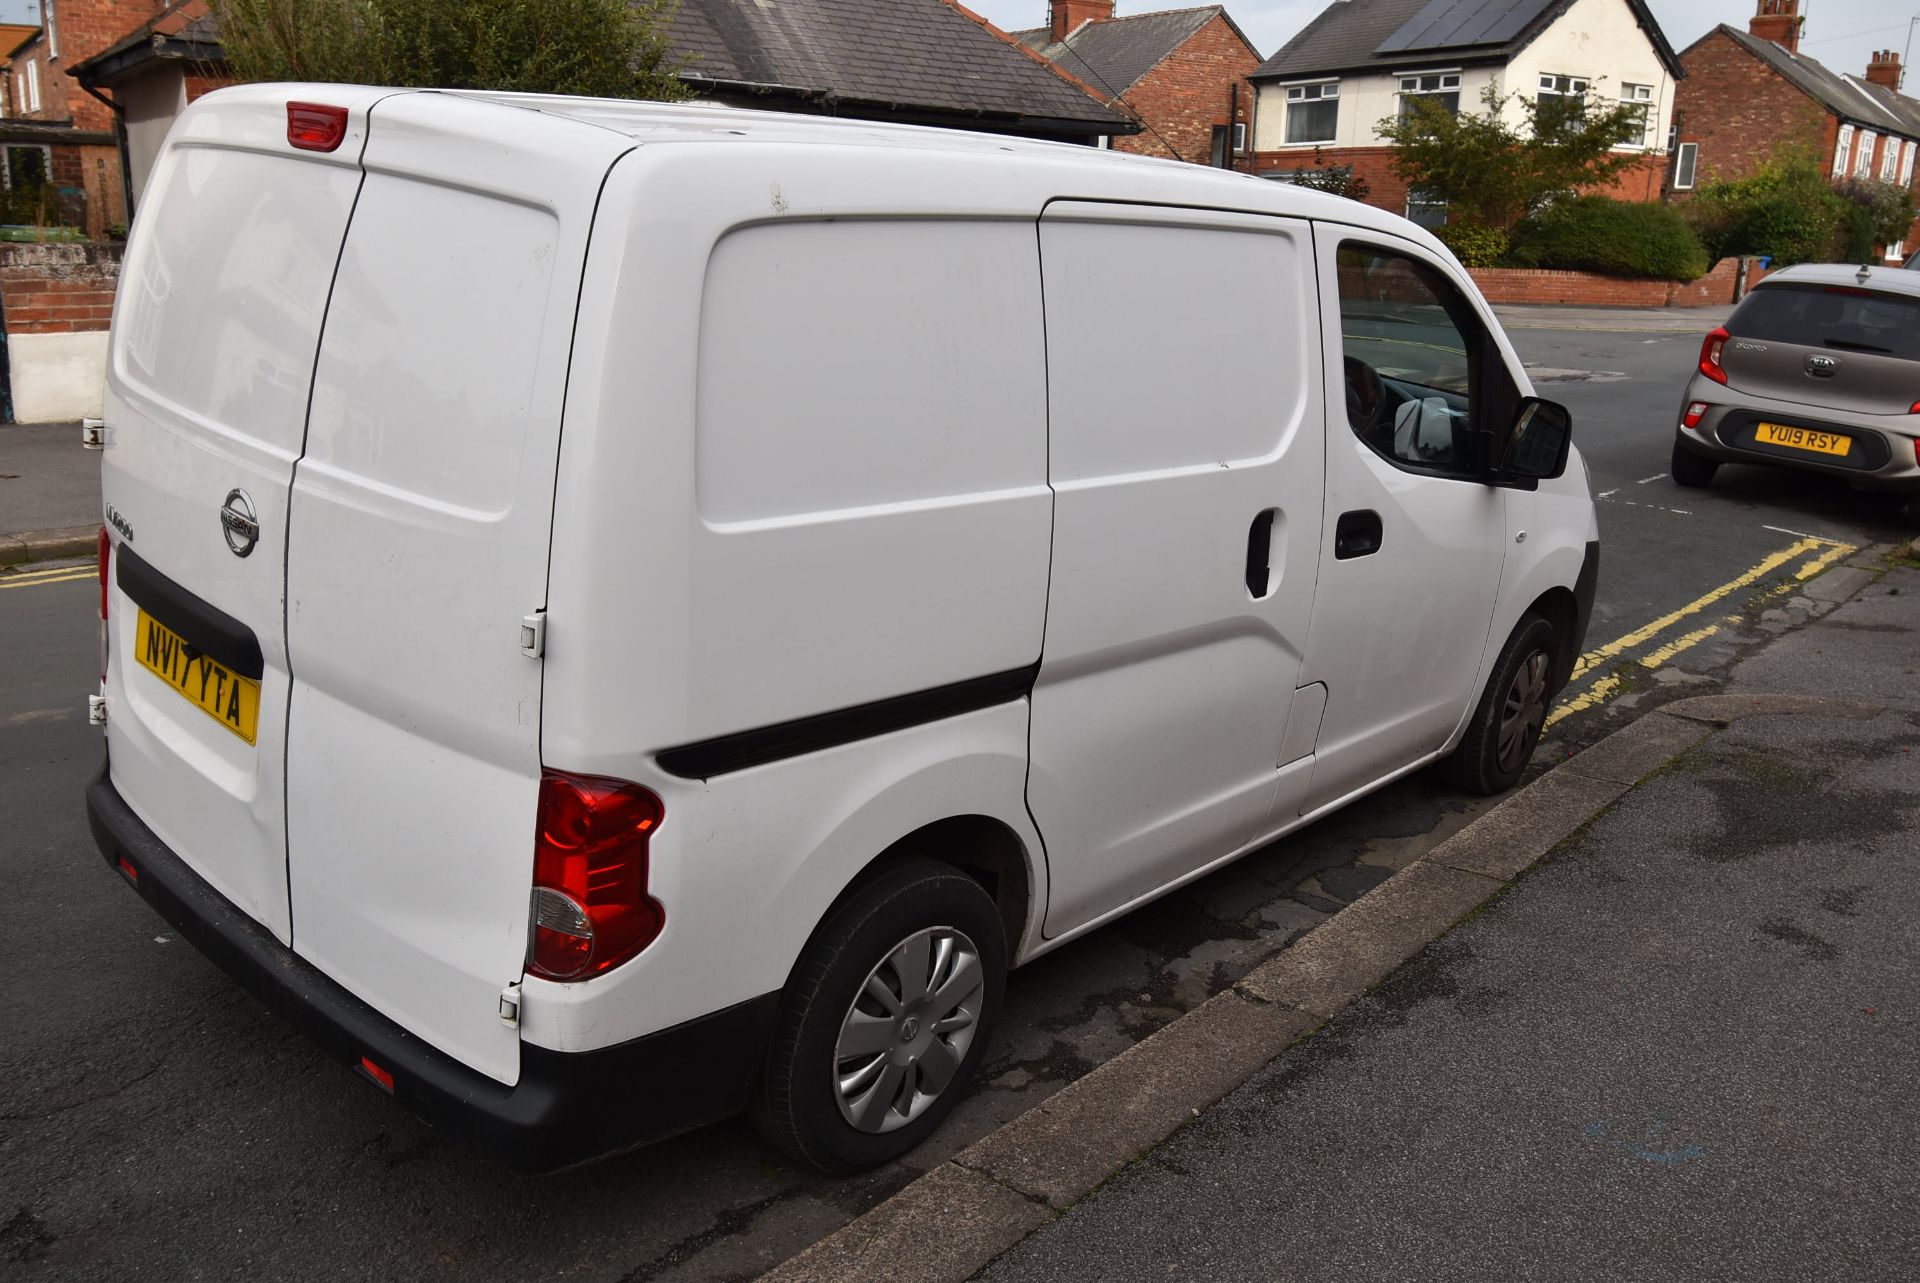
[
  {"x": 214, "y": 332},
  {"x": 421, "y": 517}
]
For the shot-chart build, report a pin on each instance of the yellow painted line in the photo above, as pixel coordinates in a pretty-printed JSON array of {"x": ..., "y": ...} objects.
[
  {"x": 49, "y": 572},
  {"x": 1648, "y": 632},
  {"x": 1598, "y": 693},
  {"x": 1824, "y": 560},
  {"x": 70, "y": 578},
  {"x": 1692, "y": 639}
]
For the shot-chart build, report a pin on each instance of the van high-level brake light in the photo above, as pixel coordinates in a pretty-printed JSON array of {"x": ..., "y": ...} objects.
[
  {"x": 315, "y": 126},
  {"x": 590, "y": 910}
]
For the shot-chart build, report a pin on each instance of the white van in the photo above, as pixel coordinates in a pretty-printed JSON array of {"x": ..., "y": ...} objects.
[{"x": 617, "y": 614}]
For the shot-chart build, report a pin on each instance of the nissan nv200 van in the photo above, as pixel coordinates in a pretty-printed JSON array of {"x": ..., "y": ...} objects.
[{"x": 621, "y": 614}]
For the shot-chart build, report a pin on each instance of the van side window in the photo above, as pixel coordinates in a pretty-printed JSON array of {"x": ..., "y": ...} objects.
[{"x": 1410, "y": 356}]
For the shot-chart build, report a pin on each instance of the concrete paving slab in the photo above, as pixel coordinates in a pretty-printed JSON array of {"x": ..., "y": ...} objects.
[
  {"x": 1358, "y": 947},
  {"x": 48, "y": 545},
  {"x": 1063, "y": 1148},
  {"x": 1637, "y": 750},
  {"x": 942, "y": 1228},
  {"x": 1506, "y": 840},
  {"x": 1724, "y": 710},
  {"x": 1839, "y": 583}
]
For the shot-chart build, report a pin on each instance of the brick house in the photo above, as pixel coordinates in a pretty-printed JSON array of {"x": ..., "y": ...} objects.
[
  {"x": 55, "y": 133},
  {"x": 1750, "y": 93},
  {"x": 151, "y": 73},
  {"x": 1181, "y": 72},
  {"x": 1323, "y": 95}
]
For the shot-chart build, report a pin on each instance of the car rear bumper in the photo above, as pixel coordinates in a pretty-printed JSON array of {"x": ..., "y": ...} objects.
[
  {"x": 566, "y": 1109},
  {"x": 1877, "y": 459}
]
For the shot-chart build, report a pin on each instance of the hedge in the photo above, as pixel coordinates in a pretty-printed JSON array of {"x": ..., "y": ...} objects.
[{"x": 1616, "y": 238}]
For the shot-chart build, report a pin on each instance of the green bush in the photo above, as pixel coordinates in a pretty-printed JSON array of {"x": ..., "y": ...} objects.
[
  {"x": 1618, "y": 238},
  {"x": 1474, "y": 243},
  {"x": 1784, "y": 210}
]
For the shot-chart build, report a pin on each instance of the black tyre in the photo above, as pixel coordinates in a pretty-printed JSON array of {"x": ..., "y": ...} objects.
[
  {"x": 1510, "y": 716},
  {"x": 886, "y": 1019},
  {"x": 1690, "y": 469}
]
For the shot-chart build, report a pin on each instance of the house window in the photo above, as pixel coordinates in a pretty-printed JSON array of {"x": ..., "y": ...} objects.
[
  {"x": 53, "y": 32},
  {"x": 33, "y": 86},
  {"x": 1686, "y": 159},
  {"x": 1425, "y": 208},
  {"x": 1863, "y": 155},
  {"x": 1906, "y": 163},
  {"x": 1842, "y": 148},
  {"x": 1638, "y": 99},
  {"x": 1561, "y": 98},
  {"x": 1889, "y": 160},
  {"x": 1239, "y": 138},
  {"x": 25, "y": 168},
  {"x": 1442, "y": 89},
  {"x": 1312, "y": 112},
  {"x": 1896, "y": 251}
]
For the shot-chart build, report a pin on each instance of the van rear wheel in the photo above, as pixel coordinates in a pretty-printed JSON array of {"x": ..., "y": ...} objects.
[
  {"x": 885, "y": 1020},
  {"x": 1511, "y": 714}
]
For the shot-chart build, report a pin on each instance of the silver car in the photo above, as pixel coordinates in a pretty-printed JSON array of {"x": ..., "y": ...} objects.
[{"x": 1818, "y": 368}]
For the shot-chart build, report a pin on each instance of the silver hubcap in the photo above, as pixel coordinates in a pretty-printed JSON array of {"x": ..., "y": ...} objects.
[
  {"x": 908, "y": 1029},
  {"x": 1525, "y": 712}
]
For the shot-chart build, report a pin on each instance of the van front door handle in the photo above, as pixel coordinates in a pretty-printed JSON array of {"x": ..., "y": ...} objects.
[{"x": 1356, "y": 534}]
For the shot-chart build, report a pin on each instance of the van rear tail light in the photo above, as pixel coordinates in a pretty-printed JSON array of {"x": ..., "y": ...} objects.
[
  {"x": 590, "y": 910},
  {"x": 1710, "y": 350},
  {"x": 1915, "y": 409},
  {"x": 1696, "y": 411},
  {"x": 106, "y": 555},
  {"x": 315, "y": 126}
]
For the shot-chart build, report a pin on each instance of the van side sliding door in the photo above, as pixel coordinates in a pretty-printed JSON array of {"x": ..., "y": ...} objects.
[{"x": 1185, "y": 453}]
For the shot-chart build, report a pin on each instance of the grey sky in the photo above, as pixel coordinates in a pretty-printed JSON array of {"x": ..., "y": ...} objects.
[{"x": 1840, "y": 33}]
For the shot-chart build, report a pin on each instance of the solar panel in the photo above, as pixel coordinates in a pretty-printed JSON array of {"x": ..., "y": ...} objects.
[{"x": 1453, "y": 24}]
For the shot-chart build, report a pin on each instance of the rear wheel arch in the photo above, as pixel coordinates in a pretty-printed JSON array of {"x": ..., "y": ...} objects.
[{"x": 1558, "y": 607}]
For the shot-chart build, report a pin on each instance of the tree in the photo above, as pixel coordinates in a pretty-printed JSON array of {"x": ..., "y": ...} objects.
[
  {"x": 1881, "y": 215},
  {"x": 1495, "y": 173},
  {"x": 598, "y": 48},
  {"x": 1786, "y": 210}
]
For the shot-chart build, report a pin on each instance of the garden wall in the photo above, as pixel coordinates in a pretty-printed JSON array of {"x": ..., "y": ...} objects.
[
  {"x": 1590, "y": 289},
  {"x": 57, "y": 301}
]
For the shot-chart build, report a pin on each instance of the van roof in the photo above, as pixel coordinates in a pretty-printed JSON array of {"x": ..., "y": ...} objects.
[{"x": 655, "y": 122}]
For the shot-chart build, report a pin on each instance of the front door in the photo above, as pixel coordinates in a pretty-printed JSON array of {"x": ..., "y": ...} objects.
[
  {"x": 1413, "y": 536},
  {"x": 1184, "y": 451}
]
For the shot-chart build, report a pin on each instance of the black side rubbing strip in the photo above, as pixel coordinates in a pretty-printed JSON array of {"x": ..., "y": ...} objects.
[
  {"x": 742, "y": 749},
  {"x": 210, "y": 630}
]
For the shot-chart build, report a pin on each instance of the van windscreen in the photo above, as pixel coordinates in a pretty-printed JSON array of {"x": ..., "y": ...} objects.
[{"x": 1842, "y": 317}]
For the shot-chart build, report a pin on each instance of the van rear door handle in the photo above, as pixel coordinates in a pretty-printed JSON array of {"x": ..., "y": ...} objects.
[{"x": 1356, "y": 534}]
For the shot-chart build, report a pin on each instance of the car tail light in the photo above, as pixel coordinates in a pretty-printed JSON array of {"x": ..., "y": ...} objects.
[
  {"x": 1915, "y": 409},
  {"x": 315, "y": 126},
  {"x": 1710, "y": 350},
  {"x": 381, "y": 1076},
  {"x": 1696, "y": 411},
  {"x": 590, "y": 910},
  {"x": 106, "y": 555}
]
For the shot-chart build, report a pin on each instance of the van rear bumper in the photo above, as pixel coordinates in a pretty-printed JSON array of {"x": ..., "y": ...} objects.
[{"x": 568, "y": 1107}]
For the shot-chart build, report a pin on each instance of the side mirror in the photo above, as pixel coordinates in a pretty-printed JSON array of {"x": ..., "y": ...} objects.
[{"x": 1536, "y": 449}]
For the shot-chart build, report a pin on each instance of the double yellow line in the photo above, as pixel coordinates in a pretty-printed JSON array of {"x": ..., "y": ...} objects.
[
  {"x": 1606, "y": 687},
  {"x": 59, "y": 575}
]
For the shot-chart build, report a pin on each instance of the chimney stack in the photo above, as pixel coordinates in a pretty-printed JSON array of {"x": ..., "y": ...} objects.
[
  {"x": 1778, "y": 21},
  {"x": 1884, "y": 69},
  {"x": 1069, "y": 14}
]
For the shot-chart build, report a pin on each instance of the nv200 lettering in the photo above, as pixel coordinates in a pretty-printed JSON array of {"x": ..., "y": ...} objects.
[{"x": 730, "y": 586}]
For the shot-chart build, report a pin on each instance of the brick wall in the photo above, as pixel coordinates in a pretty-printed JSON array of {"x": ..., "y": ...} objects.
[
  {"x": 1588, "y": 289},
  {"x": 1386, "y": 189},
  {"x": 58, "y": 289},
  {"x": 1190, "y": 92},
  {"x": 1740, "y": 111}
]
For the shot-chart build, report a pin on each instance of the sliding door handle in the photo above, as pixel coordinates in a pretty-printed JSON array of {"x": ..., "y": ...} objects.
[{"x": 1260, "y": 555}]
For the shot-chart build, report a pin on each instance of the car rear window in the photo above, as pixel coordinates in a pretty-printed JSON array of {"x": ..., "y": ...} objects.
[{"x": 1835, "y": 316}]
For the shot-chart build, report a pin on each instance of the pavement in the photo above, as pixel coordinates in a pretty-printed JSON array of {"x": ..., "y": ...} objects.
[
  {"x": 49, "y": 493},
  {"x": 1655, "y": 1016}
]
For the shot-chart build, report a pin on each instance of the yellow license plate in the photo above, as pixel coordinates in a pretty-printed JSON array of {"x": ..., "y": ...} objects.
[
  {"x": 216, "y": 690},
  {"x": 1803, "y": 439}
]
